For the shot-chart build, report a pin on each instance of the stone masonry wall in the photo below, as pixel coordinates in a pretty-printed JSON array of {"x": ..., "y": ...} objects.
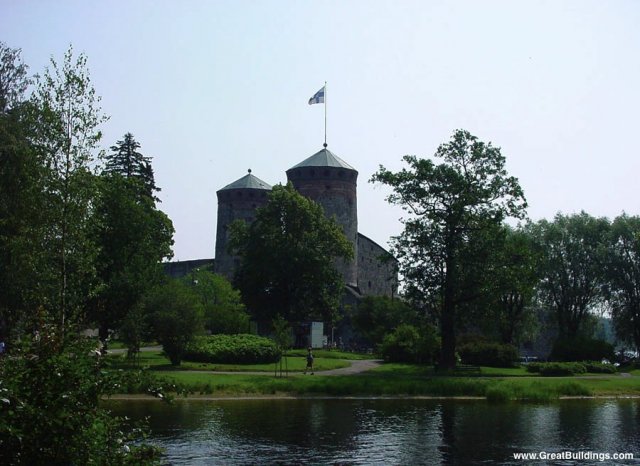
[{"x": 376, "y": 276}]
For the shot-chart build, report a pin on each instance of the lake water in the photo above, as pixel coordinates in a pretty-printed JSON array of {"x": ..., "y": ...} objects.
[{"x": 406, "y": 432}]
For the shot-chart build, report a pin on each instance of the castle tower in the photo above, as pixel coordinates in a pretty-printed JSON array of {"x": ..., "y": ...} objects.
[
  {"x": 236, "y": 201},
  {"x": 331, "y": 182}
]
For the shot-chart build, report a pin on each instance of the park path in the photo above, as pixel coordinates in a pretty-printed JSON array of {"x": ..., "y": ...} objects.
[{"x": 357, "y": 366}]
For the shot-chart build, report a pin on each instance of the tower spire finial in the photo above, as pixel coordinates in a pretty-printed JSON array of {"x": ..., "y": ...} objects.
[{"x": 249, "y": 170}]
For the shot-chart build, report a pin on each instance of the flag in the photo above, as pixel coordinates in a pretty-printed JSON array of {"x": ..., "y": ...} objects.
[{"x": 318, "y": 97}]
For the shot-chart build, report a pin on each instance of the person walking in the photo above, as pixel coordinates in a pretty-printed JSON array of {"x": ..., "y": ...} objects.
[{"x": 309, "y": 361}]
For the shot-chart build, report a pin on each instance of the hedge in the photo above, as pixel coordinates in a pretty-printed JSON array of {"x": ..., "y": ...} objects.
[{"x": 232, "y": 349}]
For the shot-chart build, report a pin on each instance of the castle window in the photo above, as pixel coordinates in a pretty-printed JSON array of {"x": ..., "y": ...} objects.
[
  {"x": 326, "y": 173},
  {"x": 312, "y": 173},
  {"x": 369, "y": 285}
]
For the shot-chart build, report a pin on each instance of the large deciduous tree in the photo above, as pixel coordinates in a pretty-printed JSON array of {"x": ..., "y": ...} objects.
[
  {"x": 133, "y": 238},
  {"x": 288, "y": 259},
  {"x": 451, "y": 205},
  {"x": 512, "y": 280},
  {"x": 65, "y": 131},
  {"x": 623, "y": 277},
  {"x": 572, "y": 259}
]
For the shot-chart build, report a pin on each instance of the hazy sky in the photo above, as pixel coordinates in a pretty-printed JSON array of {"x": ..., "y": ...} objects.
[{"x": 212, "y": 88}]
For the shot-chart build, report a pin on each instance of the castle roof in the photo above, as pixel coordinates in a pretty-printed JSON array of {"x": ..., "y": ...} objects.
[
  {"x": 324, "y": 158},
  {"x": 248, "y": 182}
]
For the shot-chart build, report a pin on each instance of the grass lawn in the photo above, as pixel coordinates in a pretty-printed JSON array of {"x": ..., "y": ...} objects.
[
  {"x": 496, "y": 384},
  {"x": 157, "y": 362},
  {"x": 330, "y": 354}
]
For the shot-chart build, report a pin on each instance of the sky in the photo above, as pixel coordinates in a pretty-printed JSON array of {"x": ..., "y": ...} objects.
[{"x": 213, "y": 88}]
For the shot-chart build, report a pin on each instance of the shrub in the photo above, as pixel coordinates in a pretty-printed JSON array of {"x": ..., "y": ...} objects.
[
  {"x": 598, "y": 368},
  {"x": 486, "y": 353},
  {"x": 558, "y": 369},
  {"x": 232, "y": 349},
  {"x": 408, "y": 344},
  {"x": 581, "y": 349},
  {"x": 534, "y": 367}
]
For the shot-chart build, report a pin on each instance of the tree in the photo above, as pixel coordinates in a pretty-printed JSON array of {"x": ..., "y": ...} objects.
[
  {"x": 287, "y": 259},
  {"x": 222, "y": 304},
  {"x": 623, "y": 277},
  {"x": 133, "y": 238},
  {"x": 572, "y": 262},
  {"x": 13, "y": 78},
  {"x": 64, "y": 129},
  {"x": 176, "y": 316},
  {"x": 126, "y": 161},
  {"x": 451, "y": 205},
  {"x": 512, "y": 276},
  {"x": 376, "y": 316},
  {"x": 50, "y": 406}
]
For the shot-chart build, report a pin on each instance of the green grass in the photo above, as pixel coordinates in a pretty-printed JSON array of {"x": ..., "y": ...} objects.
[
  {"x": 117, "y": 344},
  {"x": 389, "y": 379},
  {"x": 157, "y": 362}
]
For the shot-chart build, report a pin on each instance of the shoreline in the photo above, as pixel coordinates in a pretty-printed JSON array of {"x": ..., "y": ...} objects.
[{"x": 144, "y": 397}]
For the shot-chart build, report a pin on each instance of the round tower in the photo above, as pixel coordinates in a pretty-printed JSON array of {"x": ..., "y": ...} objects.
[
  {"x": 331, "y": 182},
  {"x": 236, "y": 201}
]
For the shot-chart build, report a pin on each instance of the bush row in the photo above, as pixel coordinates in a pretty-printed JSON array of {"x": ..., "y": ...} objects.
[
  {"x": 557, "y": 369},
  {"x": 232, "y": 349}
]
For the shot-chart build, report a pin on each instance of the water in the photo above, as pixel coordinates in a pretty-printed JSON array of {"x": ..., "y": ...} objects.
[{"x": 403, "y": 432}]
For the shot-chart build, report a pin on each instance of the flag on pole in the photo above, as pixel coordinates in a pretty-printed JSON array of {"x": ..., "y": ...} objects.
[{"x": 318, "y": 97}]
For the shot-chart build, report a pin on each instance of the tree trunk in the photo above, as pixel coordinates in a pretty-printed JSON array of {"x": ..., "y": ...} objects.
[{"x": 447, "y": 318}]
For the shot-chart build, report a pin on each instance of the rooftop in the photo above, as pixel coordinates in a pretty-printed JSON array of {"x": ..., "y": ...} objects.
[
  {"x": 324, "y": 158},
  {"x": 248, "y": 182}
]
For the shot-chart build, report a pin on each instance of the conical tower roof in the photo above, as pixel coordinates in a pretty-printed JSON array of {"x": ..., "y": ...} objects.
[
  {"x": 324, "y": 158},
  {"x": 248, "y": 182}
]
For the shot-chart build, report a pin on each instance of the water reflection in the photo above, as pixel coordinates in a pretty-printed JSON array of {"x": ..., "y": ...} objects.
[{"x": 384, "y": 431}]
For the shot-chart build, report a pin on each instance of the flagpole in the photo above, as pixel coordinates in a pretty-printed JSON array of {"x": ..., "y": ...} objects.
[{"x": 325, "y": 114}]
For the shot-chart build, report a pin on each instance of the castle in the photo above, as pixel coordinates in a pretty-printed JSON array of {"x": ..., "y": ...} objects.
[{"x": 331, "y": 182}]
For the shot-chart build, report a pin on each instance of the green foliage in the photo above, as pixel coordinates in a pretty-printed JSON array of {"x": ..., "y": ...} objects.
[
  {"x": 557, "y": 369},
  {"x": 409, "y": 344},
  {"x": 287, "y": 259},
  {"x": 49, "y": 406},
  {"x": 126, "y": 161},
  {"x": 133, "y": 238},
  {"x": 623, "y": 277},
  {"x": 13, "y": 78},
  {"x": 233, "y": 349},
  {"x": 596, "y": 367},
  {"x": 64, "y": 125},
  {"x": 176, "y": 315},
  {"x": 511, "y": 275},
  {"x": 375, "y": 316},
  {"x": 223, "y": 308},
  {"x": 571, "y": 269},
  {"x": 581, "y": 349},
  {"x": 454, "y": 206},
  {"x": 487, "y": 353}
]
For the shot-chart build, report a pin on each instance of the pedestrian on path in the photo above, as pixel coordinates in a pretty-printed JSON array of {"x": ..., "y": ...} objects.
[{"x": 309, "y": 362}]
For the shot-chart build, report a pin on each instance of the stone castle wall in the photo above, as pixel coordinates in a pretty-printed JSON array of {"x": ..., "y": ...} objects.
[{"x": 377, "y": 269}]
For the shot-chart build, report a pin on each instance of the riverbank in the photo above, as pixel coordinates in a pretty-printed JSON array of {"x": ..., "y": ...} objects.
[{"x": 387, "y": 380}]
